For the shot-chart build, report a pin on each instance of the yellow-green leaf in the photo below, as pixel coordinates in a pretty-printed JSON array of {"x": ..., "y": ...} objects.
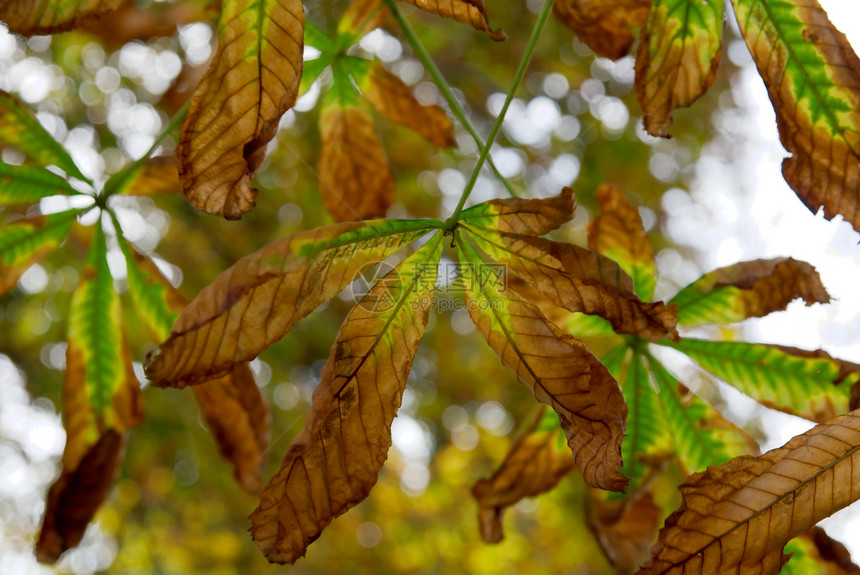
[
  {"x": 557, "y": 367},
  {"x": 388, "y": 94},
  {"x": 253, "y": 80},
  {"x": 19, "y": 128},
  {"x": 748, "y": 289},
  {"x": 362, "y": 17},
  {"x": 809, "y": 384},
  {"x": 29, "y": 17},
  {"x": 28, "y": 184},
  {"x": 736, "y": 518},
  {"x": 530, "y": 217},
  {"x": 618, "y": 233},
  {"x": 813, "y": 79},
  {"x": 334, "y": 461},
  {"x": 678, "y": 56},
  {"x": 606, "y": 26},
  {"x": 252, "y": 304},
  {"x": 355, "y": 180},
  {"x": 25, "y": 242},
  {"x": 472, "y": 12}
]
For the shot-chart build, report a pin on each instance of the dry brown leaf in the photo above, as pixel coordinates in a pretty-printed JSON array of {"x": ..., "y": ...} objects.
[
  {"x": 604, "y": 25},
  {"x": 239, "y": 418},
  {"x": 530, "y": 217},
  {"x": 812, "y": 76},
  {"x": 624, "y": 528},
  {"x": 748, "y": 289},
  {"x": 579, "y": 280},
  {"x": 830, "y": 554},
  {"x": 472, "y": 12},
  {"x": 355, "y": 180},
  {"x": 31, "y": 17},
  {"x": 159, "y": 19},
  {"x": 534, "y": 465},
  {"x": 736, "y": 518},
  {"x": 388, "y": 94},
  {"x": 253, "y": 80},
  {"x": 256, "y": 301},
  {"x": 76, "y": 496},
  {"x": 334, "y": 461},
  {"x": 557, "y": 367},
  {"x": 678, "y": 57}
]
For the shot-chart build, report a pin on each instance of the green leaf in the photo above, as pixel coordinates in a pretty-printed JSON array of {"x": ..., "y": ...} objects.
[
  {"x": 317, "y": 38},
  {"x": 95, "y": 327},
  {"x": 646, "y": 427},
  {"x": 814, "y": 385},
  {"x": 150, "y": 296},
  {"x": 20, "y": 129},
  {"x": 696, "y": 446},
  {"x": 28, "y": 184},
  {"x": 19, "y": 240},
  {"x": 748, "y": 289}
]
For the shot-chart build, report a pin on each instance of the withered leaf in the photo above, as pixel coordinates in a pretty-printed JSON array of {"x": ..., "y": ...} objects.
[
  {"x": 258, "y": 299},
  {"x": 30, "y": 17},
  {"x": 534, "y": 465},
  {"x": 748, "y": 289},
  {"x": 618, "y": 233},
  {"x": 232, "y": 404},
  {"x": 578, "y": 279},
  {"x": 154, "y": 176},
  {"x": 678, "y": 57},
  {"x": 334, "y": 461},
  {"x": 812, "y": 76},
  {"x": 388, "y": 94},
  {"x": 239, "y": 418},
  {"x": 736, "y": 518},
  {"x": 530, "y": 217},
  {"x": 624, "y": 528},
  {"x": 254, "y": 78},
  {"x": 604, "y": 25},
  {"x": 557, "y": 367},
  {"x": 355, "y": 180},
  {"x": 76, "y": 496},
  {"x": 472, "y": 12},
  {"x": 362, "y": 17}
]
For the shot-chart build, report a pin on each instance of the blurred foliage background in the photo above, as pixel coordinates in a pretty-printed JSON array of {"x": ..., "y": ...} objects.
[{"x": 107, "y": 91}]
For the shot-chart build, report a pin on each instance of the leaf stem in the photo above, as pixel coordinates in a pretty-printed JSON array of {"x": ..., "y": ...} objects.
[
  {"x": 521, "y": 70},
  {"x": 436, "y": 75}
]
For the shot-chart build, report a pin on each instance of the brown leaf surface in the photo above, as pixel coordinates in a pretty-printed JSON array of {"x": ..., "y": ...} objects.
[
  {"x": 625, "y": 529},
  {"x": 831, "y": 554},
  {"x": 530, "y": 217},
  {"x": 736, "y": 518},
  {"x": 253, "y": 80},
  {"x": 604, "y": 25},
  {"x": 355, "y": 180},
  {"x": 239, "y": 417},
  {"x": 334, "y": 461},
  {"x": 579, "y": 280},
  {"x": 679, "y": 52},
  {"x": 158, "y": 20},
  {"x": 558, "y": 368},
  {"x": 32, "y": 17},
  {"x": 533, "y": 465},
  {"x": 812, "y": 76},
  {"x": 233, "y": 405},
  {"x": 258, "y": 299},
  {"x": 388, "y": 94},
  {"x": 156, "y": 176},
  {"x": 472, "y": 12},
  {"x": 76, "y": 496}
]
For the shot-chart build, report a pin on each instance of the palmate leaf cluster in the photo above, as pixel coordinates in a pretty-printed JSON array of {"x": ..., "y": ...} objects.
[{"x": 541, "y": 305}]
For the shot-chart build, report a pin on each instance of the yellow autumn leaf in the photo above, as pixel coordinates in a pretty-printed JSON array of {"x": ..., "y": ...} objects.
[
  {"x": 253, "y": 80},
  {"x": 472, "y": 12}
]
